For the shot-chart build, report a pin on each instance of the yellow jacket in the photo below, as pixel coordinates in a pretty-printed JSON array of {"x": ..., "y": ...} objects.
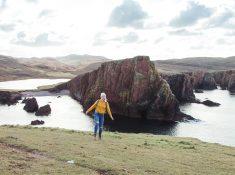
[{"x": 101, "y": 107}]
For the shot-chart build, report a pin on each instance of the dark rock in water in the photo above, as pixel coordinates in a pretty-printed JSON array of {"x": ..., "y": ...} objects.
[
  {"x": 31, "y": 105},
  {"x": 43, "y": 111},
  {"x": 210, "y": 103},
  {"x": 231, "y": 84},
  {"x": 198, "y": 91},
  {"x": 182, "y": 86},
  {"x": 133, "y": 87},
  {"x": 9, "y": 98},
  {"x": 37, "y": 122},
  {"x": 59, "y": 96},
  {"x": 24, "y": 100}
]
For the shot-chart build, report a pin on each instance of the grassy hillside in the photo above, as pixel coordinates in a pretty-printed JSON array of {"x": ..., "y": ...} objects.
[
  {"x": 26, "y": 150},
  {"x": 195, "y": 64}
]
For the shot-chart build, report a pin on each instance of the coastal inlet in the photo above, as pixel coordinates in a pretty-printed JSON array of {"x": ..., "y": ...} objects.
[{"x": 216, "y": 124}]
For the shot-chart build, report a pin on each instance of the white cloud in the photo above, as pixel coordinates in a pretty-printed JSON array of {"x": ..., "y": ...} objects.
[
  {"x": 128, "y": 14},
  {"x": 158, "y": 40},
  {"x": 183, "y": 32},
  {"x": 160, "y": 29},
  {"x": 223, "y": 19},
  {"x": 191, "y": 15},
  {"x": 41, "y": 40},
  {"x": 7, "y": 27},
  {"x": 44, "y": 13},
  {"x": 131, "y": 37},
  {"x": 3, "y": 3}
]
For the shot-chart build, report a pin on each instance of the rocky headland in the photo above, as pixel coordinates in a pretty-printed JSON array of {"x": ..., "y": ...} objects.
[
  {"x": 183, "y": 85},
  {"x": 134, "y": 87},
  {"x": 225, "y": 79}
]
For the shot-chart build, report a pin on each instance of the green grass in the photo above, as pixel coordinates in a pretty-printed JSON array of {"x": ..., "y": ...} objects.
[{"x": 27, "y": 150}]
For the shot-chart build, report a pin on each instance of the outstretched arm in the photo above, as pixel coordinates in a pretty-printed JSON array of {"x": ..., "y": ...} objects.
[
  {"x": 109, "y": 111},
  {"x": 92, "y": 107}
]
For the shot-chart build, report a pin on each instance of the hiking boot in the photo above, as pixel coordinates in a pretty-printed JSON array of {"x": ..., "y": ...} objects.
[{"x": 100, "y": 137}]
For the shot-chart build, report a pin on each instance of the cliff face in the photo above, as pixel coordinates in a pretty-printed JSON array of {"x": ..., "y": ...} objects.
[
  {"x": 182, "y": 86},
  {"x": 208, "y": 82},
  {"x": 203, "y": 80},
  {"x": 133, "y": 87},
  {"x": 222, "y": 78},
  {"x": 231, "y": 84}
]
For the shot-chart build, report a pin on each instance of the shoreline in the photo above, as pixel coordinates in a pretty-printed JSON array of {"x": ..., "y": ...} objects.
[
  {"x": 41, "y": 92},
  {"x": 108, "y": 131}
]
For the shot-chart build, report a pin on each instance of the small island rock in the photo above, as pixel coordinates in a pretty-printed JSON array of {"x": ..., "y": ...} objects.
[
  {"x": 210, "y": 103},
  {"x": 44, "y": 111},
  {"x": 37, "y": 122},
  {"x": 31, "y": 105}
]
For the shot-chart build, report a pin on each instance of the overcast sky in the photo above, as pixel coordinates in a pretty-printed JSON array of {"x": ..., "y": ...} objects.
[{"x": 117, "y": 28}]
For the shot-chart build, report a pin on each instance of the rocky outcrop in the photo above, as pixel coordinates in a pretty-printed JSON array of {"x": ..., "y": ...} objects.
[
  {"x": 202, "y": 80},
  {"x": 44, "y": 111},
  {"x": 134, "y": 89},
  {"x": 210, "y": 103},
  {"x": 9, "y": 98},
  {"x": 182, "y": 86},
  {"x": 31, "y": 105},
  {"x": 197, "y": 77},
  {"x": 37, "y": 122},
  {"x": 208, "y": 82},
  {"x": 231, "y": 84},
  {"x": 207, "y": 103},
  {"x": 24, "y": 100},
  {"x": 222, "y": 78}
]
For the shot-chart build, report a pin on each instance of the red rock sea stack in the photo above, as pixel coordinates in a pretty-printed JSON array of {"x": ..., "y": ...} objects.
[{"x": 134, "y": 89}]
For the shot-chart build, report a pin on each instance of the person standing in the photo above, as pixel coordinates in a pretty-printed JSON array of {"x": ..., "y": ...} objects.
[{"x": 101, "y": 107}]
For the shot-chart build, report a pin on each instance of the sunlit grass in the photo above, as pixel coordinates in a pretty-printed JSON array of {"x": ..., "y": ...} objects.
[{"x": 28, "y": 150}]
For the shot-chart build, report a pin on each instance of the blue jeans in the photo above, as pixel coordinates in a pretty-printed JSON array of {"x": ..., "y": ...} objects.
[{"x": 98, "y": 122}]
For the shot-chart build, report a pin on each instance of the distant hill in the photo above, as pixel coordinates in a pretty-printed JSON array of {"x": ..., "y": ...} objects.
[
  {"x": 71, "y": 65},
  {"x": 81, "y": 60},
  {"x": 195, "y": 63},
  {"x": 47, "y": 63},
  {"x": 47, "y": 67},
  {"x": 10, "y": 69}
]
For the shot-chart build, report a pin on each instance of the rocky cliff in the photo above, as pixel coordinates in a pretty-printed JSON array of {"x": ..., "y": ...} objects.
[
  {"x": 182, "y": 86},
  {"x": 208, "y": 82},
  {"x": 133, "y": 86},
  {"x": 231, "y": 84},
  {"x": 203, "y": 80},
  {"x": 222, "y": 78}
]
